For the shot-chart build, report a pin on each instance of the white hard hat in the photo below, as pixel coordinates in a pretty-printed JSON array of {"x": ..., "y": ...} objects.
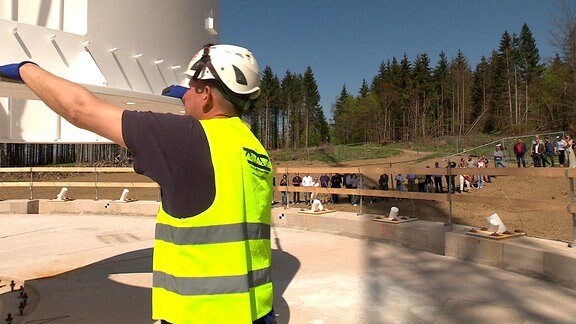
[{"x": 233, "y": 66}]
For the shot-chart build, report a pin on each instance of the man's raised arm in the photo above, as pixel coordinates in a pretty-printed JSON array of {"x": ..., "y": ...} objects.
[{"x": 71, "y": 101}]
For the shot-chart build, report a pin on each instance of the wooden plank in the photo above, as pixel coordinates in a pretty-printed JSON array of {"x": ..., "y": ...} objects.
[
  {"x": 47, "y": 184},
  {"x": 68, "y": 169},
  {"x": 532, "y": 172},
  {"x": 529, "y": 172},
  {"x": 115, "y": 170},
  {"x": 358, "y": 170},
  {"x": 83, "y": 169},
  {"x": 397, "y": 220},
  {"x": 14, "y": 184},
  {"x": 13, "y": 170},
  {"x": 367, "y": 192},
  {"x": 490, "y": 235},
  {"x": 62, "y": 169},
  {"x": 319, "y": 212},
  {"x": 315, "y": 170}
]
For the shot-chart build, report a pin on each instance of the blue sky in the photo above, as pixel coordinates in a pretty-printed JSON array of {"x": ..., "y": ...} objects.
[{"x": 344, "y": 42}]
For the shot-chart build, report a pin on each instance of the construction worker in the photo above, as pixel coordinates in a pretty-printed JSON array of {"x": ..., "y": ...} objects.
[{"x": 212, "y": 252}]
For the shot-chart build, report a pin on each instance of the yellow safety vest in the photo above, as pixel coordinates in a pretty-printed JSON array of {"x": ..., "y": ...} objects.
[{"x": 215, "y": 267}]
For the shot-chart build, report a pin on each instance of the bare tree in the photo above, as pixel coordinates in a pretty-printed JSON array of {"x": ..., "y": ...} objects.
[{"x": 564, "y": 33}]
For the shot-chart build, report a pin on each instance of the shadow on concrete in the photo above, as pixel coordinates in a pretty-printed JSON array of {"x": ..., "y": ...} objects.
[
  {"x": 91, "y": 295},
  {"x": 284, "y": 268},
  {"x": 116, "y": 290},
  {"x": 485, "y": 295}
]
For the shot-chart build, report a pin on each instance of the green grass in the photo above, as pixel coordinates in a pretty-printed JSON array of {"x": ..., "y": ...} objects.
[
  {"x": 437, "y": 147},
  {"x": 338, "y": 153}
]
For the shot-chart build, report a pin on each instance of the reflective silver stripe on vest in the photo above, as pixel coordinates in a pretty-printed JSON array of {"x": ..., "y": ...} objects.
[
  {"x": 212, "y": 234},
  {"x": 211, "y": 285}
]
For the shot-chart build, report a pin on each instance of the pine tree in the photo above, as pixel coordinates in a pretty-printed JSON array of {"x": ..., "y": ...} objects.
[
  {"x": 341, "y": 113},
  {"x": 405, "y": 86},
  {"x": 364, "y": 89},
  {"x": 268, "y": 105},
  {"x": 507, "y": 59},
  {"x": 440, "y": 80},
  {"x": 461, "y": 74},
  {"x": 421, "y": 94},
  {"x": 311, "y": 101},
  {"x": 498, "y": 118},
  {"x": 291, "y": 96},
  {"x": 480, "y": 93},
  {"x": 385, "y": 95},
  {"x": 530, "y": 68}
]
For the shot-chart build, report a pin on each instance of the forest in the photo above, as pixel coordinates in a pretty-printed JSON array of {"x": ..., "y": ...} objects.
[{"x": 511, "y": 92}]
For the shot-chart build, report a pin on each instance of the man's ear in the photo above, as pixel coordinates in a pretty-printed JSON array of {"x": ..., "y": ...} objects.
[{"x": 207, "y": 99}]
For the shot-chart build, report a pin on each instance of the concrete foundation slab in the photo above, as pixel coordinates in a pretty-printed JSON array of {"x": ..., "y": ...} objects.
[{"x": 97, "y": 269}]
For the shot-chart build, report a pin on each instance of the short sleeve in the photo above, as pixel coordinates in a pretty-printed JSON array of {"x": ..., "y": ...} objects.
[{"x": 173, "y": 151}]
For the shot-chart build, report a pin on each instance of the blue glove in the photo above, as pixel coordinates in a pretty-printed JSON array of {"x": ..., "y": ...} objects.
[
  {"x": 175, "y": 91},
  {"x": 11, "y": 72}
]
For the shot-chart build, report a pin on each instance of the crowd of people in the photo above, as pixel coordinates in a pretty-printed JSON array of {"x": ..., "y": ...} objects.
[
  {"x": 349, "y": 181},
  {"x": 543, "y": 152},
  {"x": 436, "y": 182}
]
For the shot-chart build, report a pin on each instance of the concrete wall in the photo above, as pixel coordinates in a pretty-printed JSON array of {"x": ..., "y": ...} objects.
[{"x": 546, "y": 259}]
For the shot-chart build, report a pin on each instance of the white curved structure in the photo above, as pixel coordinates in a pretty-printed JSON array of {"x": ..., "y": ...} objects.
[{"x": 126, "y": 49}]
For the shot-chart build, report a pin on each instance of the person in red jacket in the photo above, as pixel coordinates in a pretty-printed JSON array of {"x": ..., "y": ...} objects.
[{"x": 520, "y": 151}]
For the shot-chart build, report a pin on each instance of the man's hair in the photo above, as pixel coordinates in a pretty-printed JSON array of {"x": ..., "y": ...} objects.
[{"x": 215, "y": 85}]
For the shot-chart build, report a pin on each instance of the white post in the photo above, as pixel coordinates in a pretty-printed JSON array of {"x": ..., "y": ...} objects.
[
  {"x": 62, "y": 195},
  {"x": 124, "y": 195}
]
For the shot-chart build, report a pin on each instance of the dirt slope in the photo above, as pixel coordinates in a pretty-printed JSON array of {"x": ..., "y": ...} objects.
[{"x": 535, "y": 223}]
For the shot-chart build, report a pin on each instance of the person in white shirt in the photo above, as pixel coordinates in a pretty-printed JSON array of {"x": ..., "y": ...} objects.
[
  {"x": 481, "y": 164},
  {"x": 537, "y": 151},
  {"x": 465, "y": 183},
  {"x": 499, "y": 157},
  {"x": 560, "y": 150},
  {"x": 307, "y": 181}
]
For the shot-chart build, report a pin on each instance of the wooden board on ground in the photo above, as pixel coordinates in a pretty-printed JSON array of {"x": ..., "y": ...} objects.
[
  {"x": 128, "y": 200},
  {"x": 492, "y": 235},
  {"x": 61, "y": 200},
  {"x": 397, "y": 220},
  {"x": 308, "y": 211}
]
